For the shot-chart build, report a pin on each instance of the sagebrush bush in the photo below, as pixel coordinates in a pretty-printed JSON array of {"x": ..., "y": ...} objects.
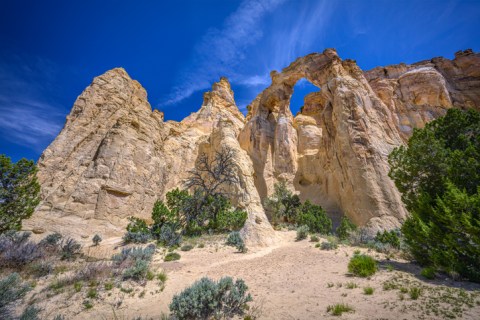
[
  {"x": 302, "y": 232},
  {"x": 70, "y": 249},
  {"x": 234, "y": 239},
  {"x": 168, "y": 235},
  {"x": 186, "y": 247},
  {"x": 314, "y": 238},
  {"x": 134, "y": 254},
  {"x": 136, "y": 237},
  {"x": 30, "y": 313},
  {"x": 52, "y": 241},
  {"x": 11, "y": 289},
  {"x": 207, "y": 299},
  {"x": 172, "y": 256},
  {"x": 18, "y": 254},
  {"x": 329, "y": 245},
  {"x": 41, "y": 268},
  {"x": 136, "y": 272},
  {"x": 362, "y": 265}
]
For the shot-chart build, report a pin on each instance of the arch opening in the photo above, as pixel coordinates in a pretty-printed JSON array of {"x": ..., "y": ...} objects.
[{"x": 301, "y": 89}]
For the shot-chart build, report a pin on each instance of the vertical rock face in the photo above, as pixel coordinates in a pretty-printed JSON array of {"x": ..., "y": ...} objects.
[{"x": 115, "y": 156}]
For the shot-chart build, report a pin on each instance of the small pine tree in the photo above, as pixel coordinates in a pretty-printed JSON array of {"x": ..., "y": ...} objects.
[{"x": 96, "y": 240}]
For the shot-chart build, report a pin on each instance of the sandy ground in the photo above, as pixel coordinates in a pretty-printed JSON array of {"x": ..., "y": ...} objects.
[{"x": 293, "y": 280}]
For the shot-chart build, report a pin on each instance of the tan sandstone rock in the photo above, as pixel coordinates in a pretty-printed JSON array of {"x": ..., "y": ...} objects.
[{"x": 115, "y": 156}]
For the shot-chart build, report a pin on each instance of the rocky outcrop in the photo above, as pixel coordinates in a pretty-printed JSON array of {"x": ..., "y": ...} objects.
[{"x": 115, "y": 156}]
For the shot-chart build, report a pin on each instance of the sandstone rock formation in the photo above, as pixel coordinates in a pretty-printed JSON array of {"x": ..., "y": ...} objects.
[{"x": 115, "y": 156}]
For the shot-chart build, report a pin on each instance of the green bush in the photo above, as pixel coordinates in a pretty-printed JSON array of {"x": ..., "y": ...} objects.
[
  {"x": 137, "y": 231},
  {"x": 438, "y": 174},
  {"x": 362, "y": 265},
  {"x": 283, "y": 204},
  {"x": 30, "y": 313},
  {"x": 51, "y": 241},
  {"x": 415, "y": 293},
  {"x": 229, "y": 220},
  {"x": 428, "y": 273},
  {"x": 11, "y": 290},
  {"x": 332, "y": 244},
  {"x": 391, "y": 238},
  {"x": 186, "y": 247},
  {"x": 368, "y": 291},
  {"x": 136, "y": 272},
  {"x": 207, "y": 299},
  {"x": 169, "y": 236},
  {"x": 339, "y": 308},
  {"x": 136, "y": 237},
  {"x": 96, "y": 240},
  {"x": 172, "y": 256},
  {"x": 70, "y": 249},
  {"x": 234, "y": 239},
  {"x": 302, "y": 233},
  {"x": 19, "y": 192},
  {"x": 314, "y": 238},
  {"x": 315, "y": 218},
  {"x": 345, "y": 228}
]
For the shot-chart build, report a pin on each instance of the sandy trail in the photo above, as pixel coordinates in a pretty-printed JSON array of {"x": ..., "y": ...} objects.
[{"x": 293, "y": 280}]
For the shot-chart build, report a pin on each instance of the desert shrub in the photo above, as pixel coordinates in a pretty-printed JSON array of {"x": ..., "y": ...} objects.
[
  {"x": 438, "y": 174},
  {"x": 315, "y": 218},
  {"x": 234, "y": 239},
  {"x": 229, "y": 220},
  {"x": 133, "y": 254},
  {"x": 51, "y": 241},
  {"x": 41, "y": 268},
  {"x": 414, "y": 293},
  {"x": 314, "y": 238},
  {"x": 30, "y": 313},
  {"x": 136, "y": 237},
  {"x": 18, "y": 255},
  {"x": 362, "y": 265},
  {"x": 168, "y": 236},
  {"x": 186, "y": 247},
  {"x": 70, "y": 249},
  {"x": 368, "y": 291},
  {"x": 283, "y": 204},
  {"x": 96, "y": 240},
  {"x": 339, "y": 308},
  {"x": 93, "y": 271},
  {"x": 302, "y": 232},
  {"x": 428, "y": 273},
  {"x": 11, "y": 289},
  {"x": 391, "y": 237},
  {"x": 207, "y": 299},
  {"x": 330, "y": 244},
  {"x": 360, "y": 237},
  {"x": 172, "y": 256},
  {"x": 136, "y": 272},
  {"x": 345, "y": 228},
  {"x": 19, "y": 192}
]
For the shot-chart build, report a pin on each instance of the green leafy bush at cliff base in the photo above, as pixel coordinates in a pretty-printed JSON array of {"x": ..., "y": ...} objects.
[
  {"x": 345, "y": 228},
  {"x": 362, "y": 265},
  {"x": 438, "y": 174}
]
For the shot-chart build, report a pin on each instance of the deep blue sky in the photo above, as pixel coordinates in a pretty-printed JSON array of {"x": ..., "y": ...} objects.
[{"x": 51, "y": 50}]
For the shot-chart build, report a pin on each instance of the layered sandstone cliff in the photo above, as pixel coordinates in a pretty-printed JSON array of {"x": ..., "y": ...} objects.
[{"x": 115, "y": 156}]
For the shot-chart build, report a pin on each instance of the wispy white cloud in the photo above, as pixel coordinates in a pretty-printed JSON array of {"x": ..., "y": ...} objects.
[
  {"x": 258, "y": 37},
  {"x": 27, "y": 117},
  {"x": 222, "y": 50}
]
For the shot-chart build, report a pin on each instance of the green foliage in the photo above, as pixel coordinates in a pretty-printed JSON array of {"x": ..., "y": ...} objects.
[
  {"x": 428, "y": 273},
  {"x": 302, "y": 232},
  {"x": 314, "y": 238},
  {"x": 11, "y": 290},
  {"x": 339, "y": 308},
  {"x": 70, "y": 249},
  {"x": 96, "y": 240},
  {"x": 368, "y": 291},
  {"x": 92, "y": 293},
  {"x": 315, "y": 218},
  {"x": 345, "y": 228},
  {"x": 51, "y": 241},
  {"x": 362, "y": 265},
  {"x": 207, "y": 299},
  {"x": 414, "y": 293},
  {"x": 168, "y": 235},
  {"x": 30, "y": 313},
  {"x": 389, "y": 237},
  {"x": 172, "y": 256},
  {"x": 234, "y": 239},
  {"x": 186, "y": 247},
  {"x": 137, "y": 231},
  {"x": 229, "y": 220},
  {"x": 438, "y": 174},
  {"x": 283, "y": 204},
  {"x": 19, "y": 192},
  {"x": 138, "y": 271}
]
